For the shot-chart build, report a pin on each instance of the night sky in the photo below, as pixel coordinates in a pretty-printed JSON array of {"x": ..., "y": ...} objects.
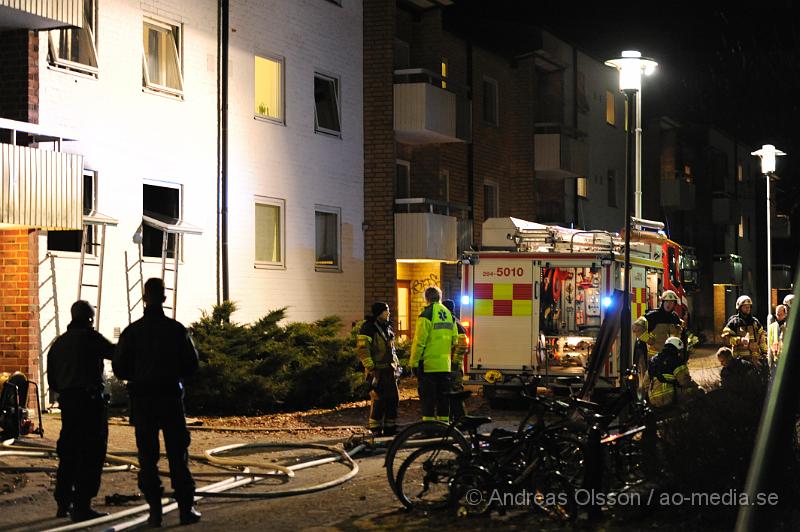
[{"x": 734, "y": 68}]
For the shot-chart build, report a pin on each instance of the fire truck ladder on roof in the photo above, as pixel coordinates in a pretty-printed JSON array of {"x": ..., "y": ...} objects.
[
  {"x": 93, "y": 220},
  {"x": 44, "y": 326},
  {"x": 168, "y": 226}
]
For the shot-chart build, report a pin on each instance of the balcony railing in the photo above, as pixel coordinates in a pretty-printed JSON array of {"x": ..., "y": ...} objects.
[
  {"x": 39, "y": 188},
  {"x": 559, "y": 151},
  {"x": 431, "y": 230},
  {"x": 677, "y": 194},
  {"x": 427, "y": 113},
  {"x": 40, "y": 14},
  {"x": 724, "y": 209}
]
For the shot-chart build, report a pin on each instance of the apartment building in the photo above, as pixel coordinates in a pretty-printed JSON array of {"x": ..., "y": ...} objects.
[
  {"x": 126, "y": 95},
  {"x": 467, "y": 118}
]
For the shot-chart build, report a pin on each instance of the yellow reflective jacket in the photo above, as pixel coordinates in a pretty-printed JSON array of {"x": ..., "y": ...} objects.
[
  {"x": 739, "y": 327},
  {"x": 434, "y": 338}
]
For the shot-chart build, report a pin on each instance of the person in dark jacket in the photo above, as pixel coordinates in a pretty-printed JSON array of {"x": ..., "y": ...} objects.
[
  {"x": 155, "y": 354},
  {"x": 375, "y": 346},
  {"x": 457, "y": 409},
  {"x": 75, "y": 372},
  {"x": 737, "y": 374}
]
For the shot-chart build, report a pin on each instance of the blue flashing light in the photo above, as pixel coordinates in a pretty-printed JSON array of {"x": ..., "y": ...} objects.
[
  {"x": 465, "y": 300},
  {"x": 606, "y": 302}
]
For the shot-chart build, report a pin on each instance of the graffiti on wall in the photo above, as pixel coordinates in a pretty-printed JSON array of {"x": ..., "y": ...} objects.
[{"x": 419, "y": 285}]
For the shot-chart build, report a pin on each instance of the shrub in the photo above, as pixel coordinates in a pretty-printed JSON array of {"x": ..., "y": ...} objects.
[{"x": 250, "y": 369}]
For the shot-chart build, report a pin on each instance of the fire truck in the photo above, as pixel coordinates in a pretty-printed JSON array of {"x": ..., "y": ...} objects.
[{"x": 533, "y": 299}]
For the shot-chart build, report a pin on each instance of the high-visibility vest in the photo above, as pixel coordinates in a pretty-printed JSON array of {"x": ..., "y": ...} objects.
[{"x": 434, "y": 338}]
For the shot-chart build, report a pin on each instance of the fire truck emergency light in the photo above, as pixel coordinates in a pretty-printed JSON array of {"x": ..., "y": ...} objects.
[{"x": 465, "y": 300}]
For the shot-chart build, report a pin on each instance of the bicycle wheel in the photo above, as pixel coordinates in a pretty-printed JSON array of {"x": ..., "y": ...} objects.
[
  {"x": 423, "y": 480},
  {"x": 413, "y": 437}
]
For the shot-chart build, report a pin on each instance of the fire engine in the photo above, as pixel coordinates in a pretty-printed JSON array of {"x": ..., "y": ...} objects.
[{"x": 534, "y": 297}]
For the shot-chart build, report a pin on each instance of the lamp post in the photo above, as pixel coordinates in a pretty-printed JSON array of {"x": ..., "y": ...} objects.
[
  {"x": 631, "y": 65},
  {"x": 767, "y": 153}
]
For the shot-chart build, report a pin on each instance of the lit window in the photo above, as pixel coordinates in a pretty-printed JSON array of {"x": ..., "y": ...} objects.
[
  {"x": 611, "y": 111},
  {"x": 490, "y": 101},
  {"x": 741, "y": 227},
  {"x": 161, "y": 57},
  {"x": 74, "y": 48},
  {"x": 71, "y": 240},
  {"x": 444, "y": 73},
  {"x": 327, "y": 238},
  {"x": 269, "y": 232},
  {"x": 326, "y": 104},
  {"x": 739, "y": 173},
  {"x": 582, "y": 187},
  {"x": 491, "y": 200},
  {"x": 162, "y": 203},
  {"x": 269, "y": 88}
]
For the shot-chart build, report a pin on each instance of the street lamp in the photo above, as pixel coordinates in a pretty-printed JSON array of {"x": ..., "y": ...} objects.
[
  {"x": 767, "y": 153},
  {"x": 631, "y": 65}
]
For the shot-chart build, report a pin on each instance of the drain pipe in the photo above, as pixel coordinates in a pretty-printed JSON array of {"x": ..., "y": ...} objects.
[{"x": 223, "y": 28}]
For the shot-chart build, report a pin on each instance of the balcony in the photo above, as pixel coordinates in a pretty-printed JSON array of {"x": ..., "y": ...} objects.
[
  {"x": 724, "y": 209},
  {"x": 39, "y": 189},
  {"x": 781, "y": 226},
  {"x": 677, "y": 194},
  {"x": 428, "y": 230},
  {"x": 40, "y": 14},
  {"x": 727, "y": 269},
  {"x": 559, "y": 151},
  {"x": 425, "y": 113}
]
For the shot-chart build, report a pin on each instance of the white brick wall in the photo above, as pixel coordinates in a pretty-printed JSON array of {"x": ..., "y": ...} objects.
[{"x": 128, "y": 135}]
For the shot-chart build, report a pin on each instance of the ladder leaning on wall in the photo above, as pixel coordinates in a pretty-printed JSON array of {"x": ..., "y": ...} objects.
[
  {"x": 134, "y": 271},
  {"x": 50, "y": 305},
  {"x": 91, "y": 243}
]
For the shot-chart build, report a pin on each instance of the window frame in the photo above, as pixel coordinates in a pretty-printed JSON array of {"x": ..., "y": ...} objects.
[
  {"x": 58, "y": 63},
  {"x": 582, "y": 187},
  {"x": 171, "y": 27},
  {"x": 611, "y": 109},
  {"x": 407, "y": 165},
  {"x": 337, "y": 211},
  {"x": 178, "y": 245},
  {"x": 493, "y": 82},
  {"x": 337, "y": 86},
  {"x": 280, "y": 203},
  {"x": 282, "y": 60},
  {"x": 488, "y": 183},
  {"x": 90, "y": 252}
]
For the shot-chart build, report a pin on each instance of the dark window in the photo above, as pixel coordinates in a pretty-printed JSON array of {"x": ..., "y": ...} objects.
[
  {"x": 71, "y": 240},
  {"x": 402, "y": 181},
  {"x": 326, "y": 100},
  {"x": 612, "y": 189},
  {"x": 490, "y": 203},
  {"x": 327, "y": 236},
  {"x": 490, "y": 101},
  {"x": 159, "y": 202}
]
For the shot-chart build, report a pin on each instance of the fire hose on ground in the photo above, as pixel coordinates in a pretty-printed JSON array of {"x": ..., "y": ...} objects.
[{"x": 241, "y": 477}]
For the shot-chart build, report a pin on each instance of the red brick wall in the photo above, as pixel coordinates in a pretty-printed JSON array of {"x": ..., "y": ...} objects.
[
  {"x": 379, "y": 154},
  {"x": 19, "y": 75},
  {"x": 19, "y": 302}
]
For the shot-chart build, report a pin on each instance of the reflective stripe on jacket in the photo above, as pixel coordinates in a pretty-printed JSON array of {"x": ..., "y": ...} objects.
[{"x": 434, "y": 338}]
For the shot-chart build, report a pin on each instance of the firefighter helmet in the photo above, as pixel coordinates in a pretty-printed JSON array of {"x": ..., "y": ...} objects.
[
  {"x": 669, "y": 295},
  {"x": 743, "y": 300},
  {"x": 675, "y": 342},
  {"x": 788, "y": 300}
]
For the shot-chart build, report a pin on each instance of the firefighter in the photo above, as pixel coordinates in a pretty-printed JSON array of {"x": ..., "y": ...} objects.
[
  {"x": 640, "y": 358},
  {"x": 669, "y": 381},
  {"x": 375, "y": 346},
  {"x": 154, "y": 355},
  {"x": 75, "y": 372},
  {"x": 745, "y": 335},
  {"x": 775, "y": 332},
  {"x": 434, "y": 338},
  {"x": 457, "y": 410},
  {"x": 662, "y": 323}
]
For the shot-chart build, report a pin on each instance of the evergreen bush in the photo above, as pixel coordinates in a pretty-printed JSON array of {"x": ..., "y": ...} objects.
[{"x": 252, "y": 369}]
